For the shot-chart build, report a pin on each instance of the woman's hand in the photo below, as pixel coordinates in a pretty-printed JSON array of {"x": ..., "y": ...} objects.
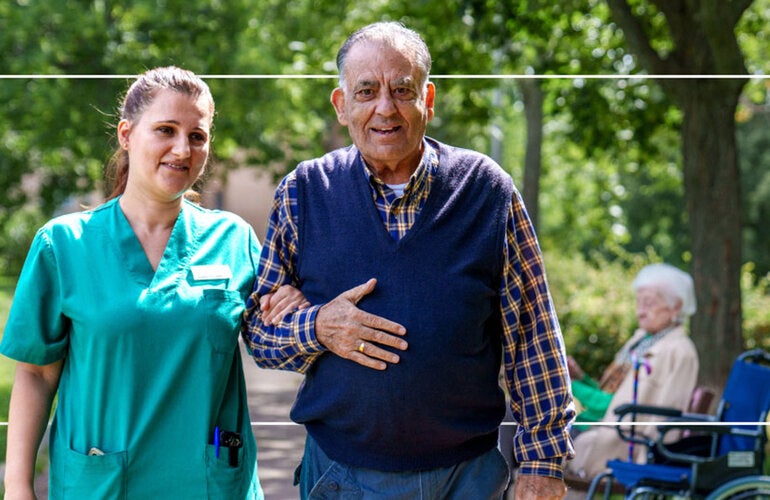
[
  {"x": 575, "y": 372},
  {"x": 275, "y": 306}
]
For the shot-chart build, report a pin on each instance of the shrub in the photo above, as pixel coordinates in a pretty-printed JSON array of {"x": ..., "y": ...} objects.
[
  {"x": 595, "y": 305},
  {"x": 756, "y": 308},
  {"x": 16, "y": 236}
]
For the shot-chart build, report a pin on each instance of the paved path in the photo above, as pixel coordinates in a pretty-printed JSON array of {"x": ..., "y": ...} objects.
[{"x": 279, "y": 442}]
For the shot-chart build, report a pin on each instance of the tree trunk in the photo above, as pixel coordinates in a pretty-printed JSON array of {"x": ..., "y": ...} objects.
[
  {"x": 713, "y": 198},
  {"x": 703, "y": 33},
  {"x": 533, "y": 111}
]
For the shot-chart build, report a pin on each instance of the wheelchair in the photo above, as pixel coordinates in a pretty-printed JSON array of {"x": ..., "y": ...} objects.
[{"x": 722, "y": 456}]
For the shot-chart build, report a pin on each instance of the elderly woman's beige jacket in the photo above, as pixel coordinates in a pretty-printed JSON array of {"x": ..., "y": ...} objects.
[{"x": 674, "y": 362}]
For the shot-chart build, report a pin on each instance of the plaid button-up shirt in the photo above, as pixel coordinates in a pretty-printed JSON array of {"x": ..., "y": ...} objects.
[{"x": 534, "y": 366}]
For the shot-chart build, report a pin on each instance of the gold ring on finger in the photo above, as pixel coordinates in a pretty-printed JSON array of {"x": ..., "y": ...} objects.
[{"x": 361, "y": 347}]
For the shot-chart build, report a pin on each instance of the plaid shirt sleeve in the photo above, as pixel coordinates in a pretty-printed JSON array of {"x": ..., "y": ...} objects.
[
  {"x": 534, "y": 356},
  {"x": 290, "y": 344}
]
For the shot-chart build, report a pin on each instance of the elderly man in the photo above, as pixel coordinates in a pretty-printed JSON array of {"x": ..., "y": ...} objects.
[{"x": 425, "y": 274}]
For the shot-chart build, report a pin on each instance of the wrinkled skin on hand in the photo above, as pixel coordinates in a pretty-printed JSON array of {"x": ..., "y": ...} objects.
[
  {"x": 354, "y": 334},
  {"x": 539, "y": 488}
]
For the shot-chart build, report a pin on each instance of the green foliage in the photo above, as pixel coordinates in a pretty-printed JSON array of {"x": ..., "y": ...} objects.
[
  {"x": 608, "y": 143},
  {"x": 753, "y": 33},
  {"x": 569, "y": 198},
  {"x": 7, "y": 287},
  {"x": 756, "y": 308},
  {"x": 611, "y": 161},
  {"x": 754, "y": 145},
  {"x": 595, "y": 305},
  {"x": 16, "y": 239}
]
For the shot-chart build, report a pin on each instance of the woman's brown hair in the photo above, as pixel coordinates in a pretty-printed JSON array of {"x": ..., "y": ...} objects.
[{"x": 140, "y": 94}]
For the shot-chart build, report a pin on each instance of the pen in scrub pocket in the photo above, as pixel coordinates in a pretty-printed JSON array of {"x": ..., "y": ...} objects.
[{"x": 216, "y": 441}]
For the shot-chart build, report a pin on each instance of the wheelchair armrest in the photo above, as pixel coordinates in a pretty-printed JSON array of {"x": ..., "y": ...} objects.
[
  {"x": 684, "y": 421},
  {"x": 629, "y": 435},
  {"x": 709, "y": 429},
  {"x": 706, "y": 430},
  {"x": 672, "y": 415},
  {"x": 659, "y": 411}
]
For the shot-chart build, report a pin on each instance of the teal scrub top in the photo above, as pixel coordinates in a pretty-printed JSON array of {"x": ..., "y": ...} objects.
[{"x": 151, "y": 359}]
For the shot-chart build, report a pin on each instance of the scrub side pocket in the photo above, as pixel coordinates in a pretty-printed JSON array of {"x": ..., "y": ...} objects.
[
  {"x": 223, "y": 309},
  {"x": 94, "y": 476}
]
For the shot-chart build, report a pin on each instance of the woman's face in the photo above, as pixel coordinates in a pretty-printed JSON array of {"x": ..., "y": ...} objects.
[
  {"x": 653, "y": 311},
  {"x": 167, "y": 146}
]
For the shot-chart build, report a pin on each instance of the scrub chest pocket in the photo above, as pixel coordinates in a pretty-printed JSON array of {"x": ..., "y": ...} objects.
[{"x": 223, "y": 309}]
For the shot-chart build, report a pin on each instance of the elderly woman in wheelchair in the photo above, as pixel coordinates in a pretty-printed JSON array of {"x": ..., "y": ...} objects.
[
  {"x": 723, "y": 457},
  {"x": 657, "y": 366}
]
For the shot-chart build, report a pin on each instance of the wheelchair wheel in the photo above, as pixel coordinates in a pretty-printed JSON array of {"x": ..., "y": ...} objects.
[{"x": 751, "y": 487}]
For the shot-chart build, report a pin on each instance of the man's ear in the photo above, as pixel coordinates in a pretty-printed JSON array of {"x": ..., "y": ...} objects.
[
  {"x": 338, "y": 101},
  {"x": 430, "y": 98}
]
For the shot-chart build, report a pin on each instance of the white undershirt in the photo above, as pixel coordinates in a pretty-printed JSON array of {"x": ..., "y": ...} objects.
[{"x": 398, "y": 189}]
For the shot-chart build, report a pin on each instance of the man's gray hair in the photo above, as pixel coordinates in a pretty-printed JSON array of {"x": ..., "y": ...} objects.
[{"x": 396, "y": 35}]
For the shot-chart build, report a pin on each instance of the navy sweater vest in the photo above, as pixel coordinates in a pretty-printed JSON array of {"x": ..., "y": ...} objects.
[{"x": 441, "y": 404}]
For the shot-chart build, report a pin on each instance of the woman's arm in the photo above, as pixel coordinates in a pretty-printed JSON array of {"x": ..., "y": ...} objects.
[{"x": 33, "y": 391}]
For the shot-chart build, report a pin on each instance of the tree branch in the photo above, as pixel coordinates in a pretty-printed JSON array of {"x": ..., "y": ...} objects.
[
  {"x": 719, "y": 19},
  {"x": 637, "y": 39},
  {"x": 735, "y": 9}
]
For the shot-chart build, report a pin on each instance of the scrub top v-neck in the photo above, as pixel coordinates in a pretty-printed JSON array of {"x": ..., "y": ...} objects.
[{"x": 151, "y": 360}]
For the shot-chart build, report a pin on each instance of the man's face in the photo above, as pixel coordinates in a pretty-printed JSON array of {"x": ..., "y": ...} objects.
[{"x": 384, "y": 107}]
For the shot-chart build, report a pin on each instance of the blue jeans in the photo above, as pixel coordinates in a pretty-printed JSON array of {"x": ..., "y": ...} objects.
[{"x": 483, "y": 477}]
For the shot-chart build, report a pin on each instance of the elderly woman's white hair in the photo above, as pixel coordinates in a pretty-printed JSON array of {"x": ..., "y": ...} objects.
[{"x": 675, "y": 284}]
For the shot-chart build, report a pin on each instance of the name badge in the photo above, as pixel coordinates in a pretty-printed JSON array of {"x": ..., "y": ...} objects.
[{"x": 211, "y": 272}]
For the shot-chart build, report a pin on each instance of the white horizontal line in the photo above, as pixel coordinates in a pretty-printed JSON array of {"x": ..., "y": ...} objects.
[
  {"x": 600, "y": 77},
  {"x": 593, "y": 424},
  {"x": 273, "y": 423},
  {"x": 433, "y": 77},
  {"x": 672, "y": 423},
  {"x": 109, "y": 77}
]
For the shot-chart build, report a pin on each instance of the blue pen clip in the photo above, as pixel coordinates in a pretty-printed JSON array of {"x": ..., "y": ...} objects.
[{"x": 216, "y": 441}]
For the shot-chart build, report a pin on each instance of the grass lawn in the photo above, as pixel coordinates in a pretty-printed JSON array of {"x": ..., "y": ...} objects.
[{"x": 7, "y": 286}]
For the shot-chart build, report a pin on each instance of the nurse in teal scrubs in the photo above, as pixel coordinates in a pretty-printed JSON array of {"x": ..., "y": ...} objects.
[{"x": 131, "y": 312}]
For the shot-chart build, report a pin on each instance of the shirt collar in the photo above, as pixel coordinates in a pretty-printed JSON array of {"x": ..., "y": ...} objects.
[{"x": 419, "y": 178}]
